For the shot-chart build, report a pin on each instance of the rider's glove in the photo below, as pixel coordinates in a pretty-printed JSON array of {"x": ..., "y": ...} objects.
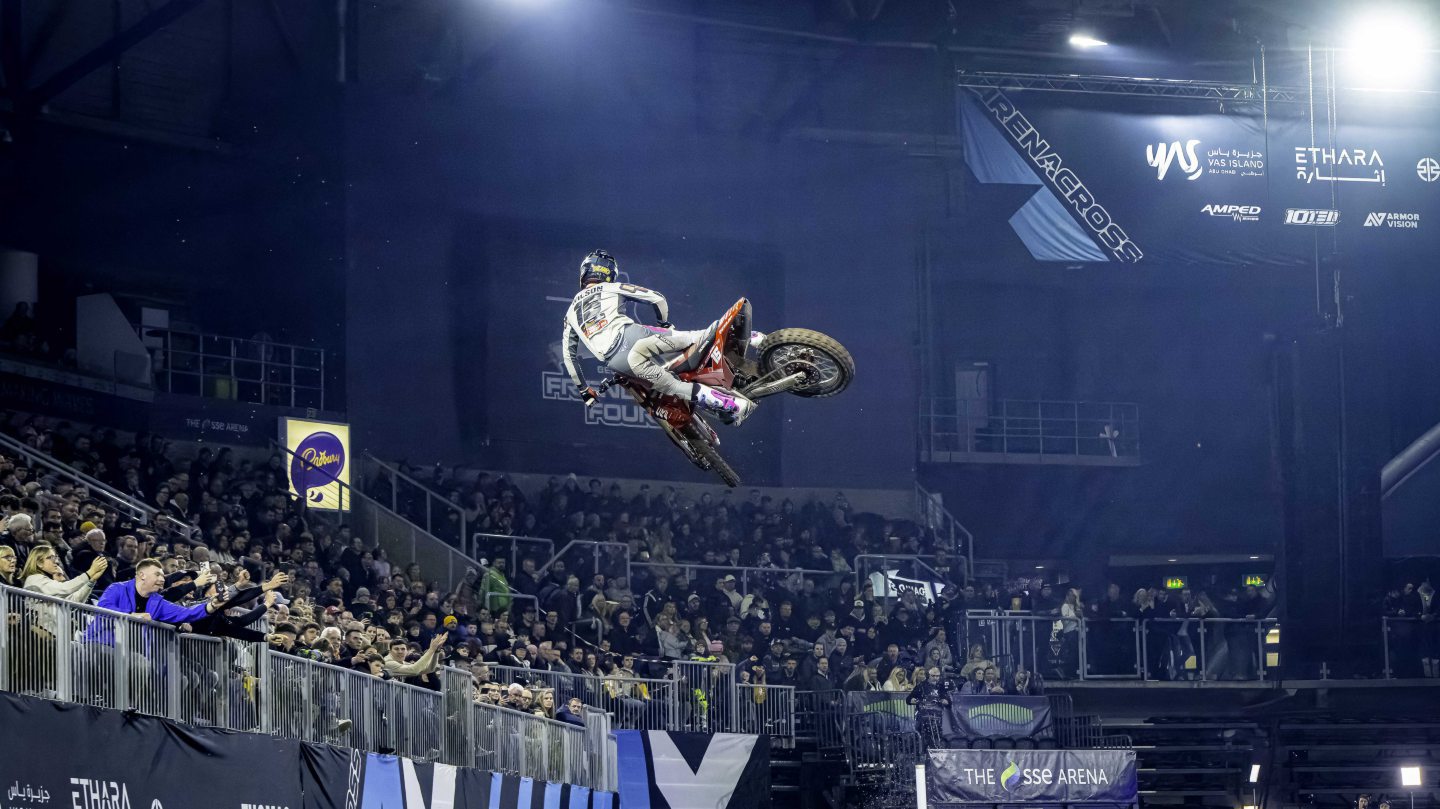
[
  {"x": 589, "y": 396},
  {"x": 665, "y": 324}
]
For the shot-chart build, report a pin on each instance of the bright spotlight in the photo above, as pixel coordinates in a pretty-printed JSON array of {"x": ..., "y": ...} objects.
[
  {"x": 1387, "y": 48},
  {"x": 1409, "y": 776},
  {"x": 1086, "y": 41}
]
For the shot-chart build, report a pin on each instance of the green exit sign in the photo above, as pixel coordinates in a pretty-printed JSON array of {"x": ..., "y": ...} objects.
[
  {"x": 1255, "y": 580},
  {"x": 1176, "y": 582}
]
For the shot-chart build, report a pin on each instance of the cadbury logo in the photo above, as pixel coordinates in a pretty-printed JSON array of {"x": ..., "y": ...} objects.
[{"x": 319, "y": 457}]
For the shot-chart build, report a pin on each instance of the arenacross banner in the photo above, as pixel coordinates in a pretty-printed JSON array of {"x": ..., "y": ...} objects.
[
  {"x": 319, "y": 462},
  {"x": 969, "y": 717},
  {"x": 1030, "y": 776},
  {"x": 1223, "y": 190},
  {"x": 663, "y": 770}
]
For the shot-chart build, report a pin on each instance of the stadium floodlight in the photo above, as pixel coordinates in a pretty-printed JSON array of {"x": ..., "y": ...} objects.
[
  {"x": 1409, "y": 776},
  {"x": 1386, "y": 47},
  {"x": 1086, "y": 41},
  {"x": 1254, "y": 773}
]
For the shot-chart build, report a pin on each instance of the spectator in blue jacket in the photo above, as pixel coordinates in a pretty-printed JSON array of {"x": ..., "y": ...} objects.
[{"x": 141, "y": 597}]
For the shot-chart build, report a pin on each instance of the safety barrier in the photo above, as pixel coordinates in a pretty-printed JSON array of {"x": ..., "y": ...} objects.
[
  {"x": 698, "y": 696},
  {"x": 1125, "y": 648},
  {"x": 78, "y": 653}
]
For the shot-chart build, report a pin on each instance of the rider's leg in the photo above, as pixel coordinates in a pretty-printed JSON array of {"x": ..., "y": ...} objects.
[{"x": 646, "y": 361}]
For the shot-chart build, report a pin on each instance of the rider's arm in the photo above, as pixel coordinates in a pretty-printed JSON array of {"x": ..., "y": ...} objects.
[
  {"x": 571, "y": 341},
  {"x": 650, "y": 296}
]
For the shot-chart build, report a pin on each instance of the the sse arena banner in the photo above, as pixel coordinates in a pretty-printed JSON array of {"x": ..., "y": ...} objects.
[
  {"x": 61, "y": 755},
  {"x": 1068, "y": 186},
  {"x": 1030, "y": 776},
  {"x": 319, "y": 462},
  {"x": 663, "y": 770}
]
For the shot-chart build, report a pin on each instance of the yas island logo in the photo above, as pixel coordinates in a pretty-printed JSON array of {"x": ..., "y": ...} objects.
[
  {"x": 1162, "y": 154},
  {"x": 1010, "y": 777},
  {"x": 317, "y": 463}
]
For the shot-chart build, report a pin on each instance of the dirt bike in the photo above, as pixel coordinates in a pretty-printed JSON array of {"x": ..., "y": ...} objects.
[{"x": 803, "y": 362}]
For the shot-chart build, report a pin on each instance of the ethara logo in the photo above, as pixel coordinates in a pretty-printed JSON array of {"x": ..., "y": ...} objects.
[
  {"x": 1239, "y": 213},
  {"x": 1162, "y": 155},
  {"x": 88, "y": 794}
]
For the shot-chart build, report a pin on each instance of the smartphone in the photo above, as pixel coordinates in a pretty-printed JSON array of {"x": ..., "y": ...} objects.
[{"x": 204, "y": 568}]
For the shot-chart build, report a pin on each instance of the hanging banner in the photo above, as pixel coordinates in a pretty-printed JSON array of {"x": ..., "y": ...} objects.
[
  {"x": 1031, "y": 776},
  {"x": 319, "y": 462},
  {"x": 1219, "y": 190},
  {"x": 1015, "y": 717},
  {"x": 60, "y": 754},
  {"x": 969, "y": 717}
]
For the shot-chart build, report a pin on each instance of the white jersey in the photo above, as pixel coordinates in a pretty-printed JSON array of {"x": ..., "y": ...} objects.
[{"x": 595, "y": 318}]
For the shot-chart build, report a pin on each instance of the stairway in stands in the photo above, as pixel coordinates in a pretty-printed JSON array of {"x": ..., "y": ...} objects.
[
  {"x": 1193, "y": 761},
  {"x": 1328, "y": 763}
]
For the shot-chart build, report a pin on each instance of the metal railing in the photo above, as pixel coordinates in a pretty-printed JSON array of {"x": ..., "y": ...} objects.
[
  {"x": 511, "y": 741},
  {"x": 217, "y": 367},
  {"x": 765, "y": 710},
  {"x": 640, "y": 703},
  {"x": 1029, "y": 430},
  {"x": 417, "y": 502},
  {"x": 821, "y": 715},
  {"x": 1404, "y": 646},
  {"x": 483, "y": 545},
  {"x": 761, "y": 576},
  {"x": 71, "y": 652},
  {"x": 404, "y": 542},
  {"x": 318, "y": 702},
  {"x": 137, "y": 510},
  {"x": 694, "y": 696},
  {"x": 1124, "y": 648},
  {"x": 598, "y": 556},
  {"x": 933, "y": 515}
]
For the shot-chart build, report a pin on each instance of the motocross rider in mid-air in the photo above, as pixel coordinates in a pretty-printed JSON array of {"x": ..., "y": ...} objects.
[{"x": 626, "y": 347}]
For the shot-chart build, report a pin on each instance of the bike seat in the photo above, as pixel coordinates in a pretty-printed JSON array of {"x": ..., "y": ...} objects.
[{"x": 692, "y": 358}]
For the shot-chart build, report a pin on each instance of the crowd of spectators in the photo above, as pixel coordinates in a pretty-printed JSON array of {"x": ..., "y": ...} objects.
[{"x": 329, "y": 597}]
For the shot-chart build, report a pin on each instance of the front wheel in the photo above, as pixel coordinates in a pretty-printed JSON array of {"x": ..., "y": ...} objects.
[
  {"x": 707, "y": 452},
  {"x": 827, "y": 366}
]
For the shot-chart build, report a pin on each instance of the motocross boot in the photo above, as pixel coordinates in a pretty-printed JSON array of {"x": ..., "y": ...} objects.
[{"x": 732, "y": 408}]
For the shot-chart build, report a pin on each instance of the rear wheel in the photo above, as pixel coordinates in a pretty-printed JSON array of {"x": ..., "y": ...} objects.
[
  {"x": 706, "y": 451},
  {"x": 827, "y": 366}
]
